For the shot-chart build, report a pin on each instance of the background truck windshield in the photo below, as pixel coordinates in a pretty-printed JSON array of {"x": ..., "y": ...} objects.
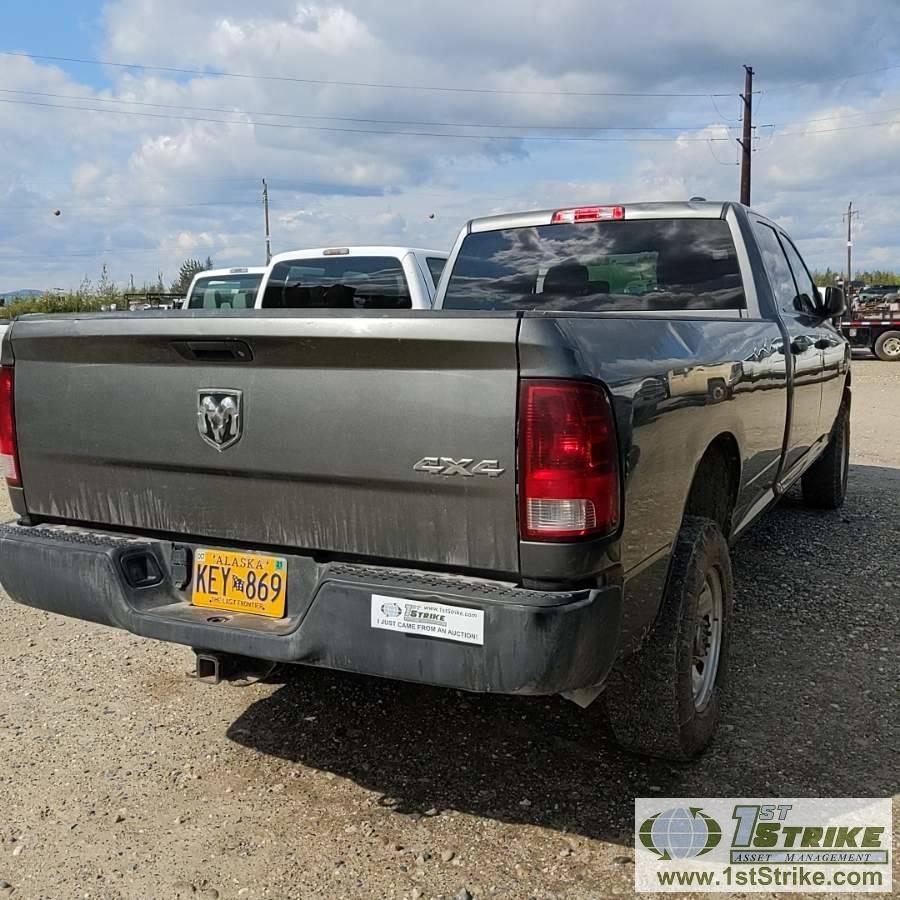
[
  {"x": 644, "y": 264},
  {"x": 338, "y": 282},
  {"x": 224, "y": 292}
]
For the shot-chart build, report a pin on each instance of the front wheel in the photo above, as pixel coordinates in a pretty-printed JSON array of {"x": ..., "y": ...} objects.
[
  {"x": 887, "y": 347},
  {"x": 665, "y": 700},
  {"x": 824, "y": 483}
]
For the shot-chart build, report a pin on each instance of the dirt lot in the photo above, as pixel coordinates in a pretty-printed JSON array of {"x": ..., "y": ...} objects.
[{"x": 122, "y": 778}]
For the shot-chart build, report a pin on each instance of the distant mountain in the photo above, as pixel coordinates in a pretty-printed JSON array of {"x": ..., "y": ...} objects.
[{"x": 23, "y": 294}]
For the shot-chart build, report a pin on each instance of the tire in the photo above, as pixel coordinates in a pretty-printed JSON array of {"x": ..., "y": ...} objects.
[
  {"x": 824, "y": 483},
  {"x": 659, "y": 701},
  {"x": 717, "y": 391},
  {"x": 887, "y": 347}
]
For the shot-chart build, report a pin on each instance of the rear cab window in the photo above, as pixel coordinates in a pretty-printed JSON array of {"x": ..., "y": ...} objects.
[
  {"x": 435, "y": 266},
  {"x": 338, "y": 282},
  {"x": 224, "y": 292},
  {"x": 609, "y": 266}
]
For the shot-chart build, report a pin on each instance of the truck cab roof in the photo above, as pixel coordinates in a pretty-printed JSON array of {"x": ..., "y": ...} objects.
[
  {"x": 233, "y": 270},
  {"x": 369, "y": 250},
  {"x": 699, "y": 209}
]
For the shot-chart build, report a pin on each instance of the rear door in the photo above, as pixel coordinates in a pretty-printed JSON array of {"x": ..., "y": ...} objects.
[
  {"x": 356, "y": 434},
  {"x": 805, "y": 356}
]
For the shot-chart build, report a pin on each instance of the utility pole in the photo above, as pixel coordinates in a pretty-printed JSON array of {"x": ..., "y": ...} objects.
[
  {"x": 266, "y": 208},
  {"x": 747, "y": 141},
  {"x": 851, "y": 212}
]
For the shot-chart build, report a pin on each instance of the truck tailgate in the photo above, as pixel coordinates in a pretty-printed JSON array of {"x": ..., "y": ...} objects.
[{"x": 335, "y": 413}]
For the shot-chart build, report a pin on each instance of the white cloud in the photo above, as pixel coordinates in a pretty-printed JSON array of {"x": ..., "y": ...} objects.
[{"x": 154, "y": 188}]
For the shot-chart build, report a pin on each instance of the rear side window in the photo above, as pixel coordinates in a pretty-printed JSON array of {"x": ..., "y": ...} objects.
[
  {"x": 643, "y": 264},
  {"x": 338, "y": 282},
  {"x": 435, "y": 266},
  {"x": 224, "y": 292}
]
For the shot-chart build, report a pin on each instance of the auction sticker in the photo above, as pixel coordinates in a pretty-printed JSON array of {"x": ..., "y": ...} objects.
[{"x": 436, "y": 620}]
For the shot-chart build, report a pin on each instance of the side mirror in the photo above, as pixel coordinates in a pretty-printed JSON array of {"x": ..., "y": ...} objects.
[{"x": 833, "y": 303}]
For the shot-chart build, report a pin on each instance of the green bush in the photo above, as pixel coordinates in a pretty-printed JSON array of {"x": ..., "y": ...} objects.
[
  {"x": 54, "y": 303},
  {"x": 93, "y": 298}
]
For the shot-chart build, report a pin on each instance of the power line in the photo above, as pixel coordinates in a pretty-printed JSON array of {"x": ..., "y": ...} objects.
[
  {"x": 129, "y": 206},
  {"x": 782, "y": 134},
  {"x": 49, "y": 257},
  {"x": 828, "y": 78},
  {"x": 857, "y": 115},
  {"x": 720, "y": 114},
  {"x": 214, "y": 73},
  {"x": 477, "y": 137},
  {"x": 373, "y": 131},
  {"x": 308, "y": 116},
  {"x": 23, "y": 178},
  {"x": 723, "y": 123}
]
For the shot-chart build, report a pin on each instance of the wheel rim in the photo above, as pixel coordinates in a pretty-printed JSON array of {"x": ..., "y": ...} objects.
[
  {"x": 891, "y": 347},
  {"x": 707, "y": 639}
]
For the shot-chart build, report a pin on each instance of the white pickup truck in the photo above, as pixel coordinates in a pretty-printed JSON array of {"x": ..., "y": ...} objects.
[{"x": 372, "y": 277}]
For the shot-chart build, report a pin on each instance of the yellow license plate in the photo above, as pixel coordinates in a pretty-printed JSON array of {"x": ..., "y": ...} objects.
[{"x": 240, "y": 582}]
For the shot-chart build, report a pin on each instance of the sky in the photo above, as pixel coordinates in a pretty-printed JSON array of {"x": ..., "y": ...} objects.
[{"x": 396, "y": 122}]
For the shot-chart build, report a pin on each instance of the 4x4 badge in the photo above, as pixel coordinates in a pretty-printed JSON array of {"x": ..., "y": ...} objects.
[{"x": 468, "y": 468}]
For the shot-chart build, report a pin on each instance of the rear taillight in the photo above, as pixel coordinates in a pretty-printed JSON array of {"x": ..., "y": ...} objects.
[
  {"x": 588, "y": 214},
  {"x": 568, "y": 461},
  {"x": 9, "y": 457}
]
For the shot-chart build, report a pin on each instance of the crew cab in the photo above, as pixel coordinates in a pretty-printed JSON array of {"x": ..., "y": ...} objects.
[
  {"x": 352, "y": 278},
  {"x": 530, "y": 489},
  {"x": 233, "y": 288}
]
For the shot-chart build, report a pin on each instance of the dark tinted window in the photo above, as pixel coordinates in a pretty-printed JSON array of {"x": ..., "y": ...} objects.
[
  {"x": 649, "y": 264},
  {"x": 338, "y": 282},
  {"x": 777, "y": 268},
  {"x": 807, "y": 293},
  {"x": 224, "y": 292},
  {"x": 435, "y": 266}
]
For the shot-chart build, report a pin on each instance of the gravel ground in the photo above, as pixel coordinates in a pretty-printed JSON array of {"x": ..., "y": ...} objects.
[{"x": 122, "y": 778}]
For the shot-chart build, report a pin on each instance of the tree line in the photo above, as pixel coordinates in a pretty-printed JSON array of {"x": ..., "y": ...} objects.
[
  {"x": 829, "y": 277},
  {"x": 92, "y": 296}
]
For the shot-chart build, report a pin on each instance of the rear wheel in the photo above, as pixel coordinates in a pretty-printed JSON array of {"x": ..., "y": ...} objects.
[
  {"x": 665, "y": 700},
  {"x": 887, "y": 347},
  {"x": 717, "y": 391},
  {"x": 825, "y": 482}
]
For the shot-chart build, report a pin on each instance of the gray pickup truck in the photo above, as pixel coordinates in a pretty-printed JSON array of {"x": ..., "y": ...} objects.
[{"x": 529, "y": 490}]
